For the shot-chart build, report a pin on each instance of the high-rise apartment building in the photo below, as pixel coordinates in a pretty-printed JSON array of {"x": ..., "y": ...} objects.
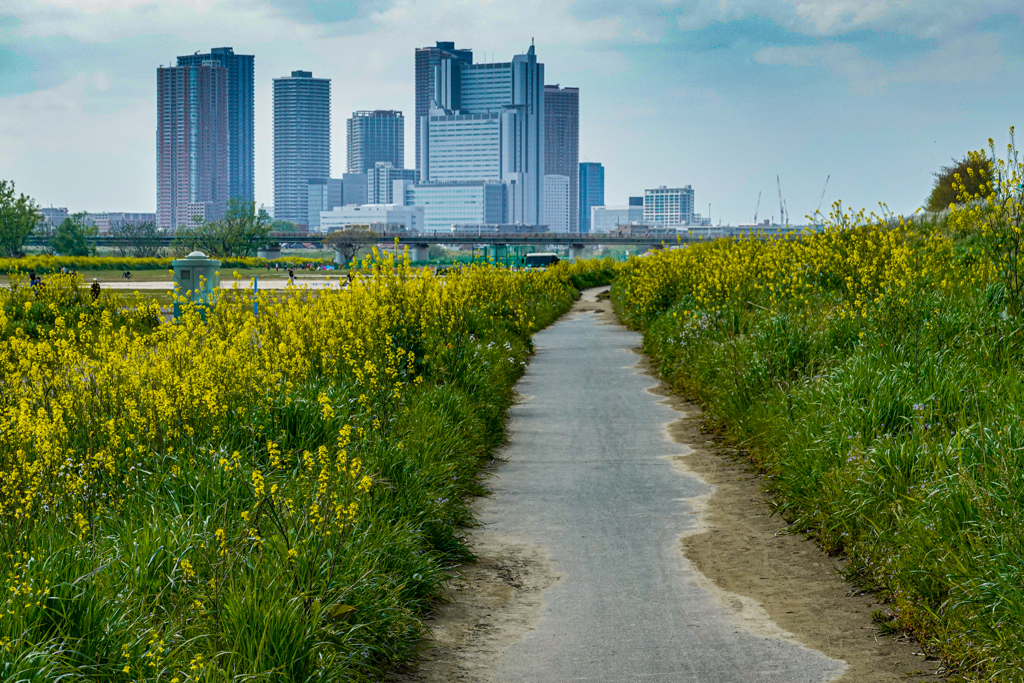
[
  {"x": 669, "y": 206},
  {"x": 591, "y": 191},
  {"x": 241, "y": 132},
  {"x": 427, "y": 61},
  {"x": 380, "y": 183},
  {"x": 562, "y": 141},
  {"x": 486, "y": 122},
  {"x": 375, "y": 136},
  {"x": 302, "y": 142},
  {"x": 192, "y": 162}
]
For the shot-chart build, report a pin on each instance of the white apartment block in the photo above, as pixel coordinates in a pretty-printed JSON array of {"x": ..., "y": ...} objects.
[{"x": 669, "y": 206}]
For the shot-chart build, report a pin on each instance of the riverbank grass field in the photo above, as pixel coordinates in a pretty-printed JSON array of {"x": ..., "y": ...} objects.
[
  {"x": 271, "y": 498},
  {"x": 873, "y": 373}
]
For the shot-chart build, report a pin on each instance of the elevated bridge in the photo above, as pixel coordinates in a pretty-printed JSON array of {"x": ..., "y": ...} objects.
[{"x": 419, "y": 242}]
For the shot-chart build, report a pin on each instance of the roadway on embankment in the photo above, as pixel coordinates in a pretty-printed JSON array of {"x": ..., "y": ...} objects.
[{"x": 590, "y": 486}]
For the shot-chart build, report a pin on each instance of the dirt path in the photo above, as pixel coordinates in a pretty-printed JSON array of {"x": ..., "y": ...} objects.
[
  {"x": 776, "y": 587},
  {"x": 746, "y": 551}
]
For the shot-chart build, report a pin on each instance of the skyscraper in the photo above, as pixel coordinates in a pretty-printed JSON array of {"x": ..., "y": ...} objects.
[
  {"x": 241, "y": 73},
  {"x": 375, "y": 136},
  {"x": 302, "y": 141},
  {"x": 591, "y": 191},
  {"x": 486, "y": 122},
  {"x": 192, "y": 169},
  {"x": 562, "y": 141},
  {"x": 427, "y": 60}
]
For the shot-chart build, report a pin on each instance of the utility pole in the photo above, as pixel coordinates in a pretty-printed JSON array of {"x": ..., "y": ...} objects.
[
  {"x": 818, "y": 210},
  {"x": 782, "y": 209}
]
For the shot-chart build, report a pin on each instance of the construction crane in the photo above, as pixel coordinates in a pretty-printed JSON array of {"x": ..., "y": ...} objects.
[
  {"x": 782, "y": 208},
  {"x": 758, "y": 208},
  {"x": 786, "y": 207},
  {"x": 818, "y": 210}
]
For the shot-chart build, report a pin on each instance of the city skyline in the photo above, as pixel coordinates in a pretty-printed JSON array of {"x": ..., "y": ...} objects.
[{"x": 671, "y": 94}]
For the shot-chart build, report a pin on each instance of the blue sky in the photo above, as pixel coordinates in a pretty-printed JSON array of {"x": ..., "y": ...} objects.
[{"x": 721, "y": 95}]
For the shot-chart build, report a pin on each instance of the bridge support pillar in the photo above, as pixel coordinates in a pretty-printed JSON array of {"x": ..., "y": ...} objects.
[
  {"x": 419, "y": 252},
  {"x": 576, "y": 251}
]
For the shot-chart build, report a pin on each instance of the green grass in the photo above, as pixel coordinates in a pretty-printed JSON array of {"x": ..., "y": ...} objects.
[{"x": 893, "y": 438}]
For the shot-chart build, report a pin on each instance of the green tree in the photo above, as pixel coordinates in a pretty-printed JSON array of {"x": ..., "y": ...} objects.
[
  {"x": 18, "y": 218},
  {"x": 72, "y": 237},
  {"x": 975, "y": 174},
  {"x": 238, "y": 234}
]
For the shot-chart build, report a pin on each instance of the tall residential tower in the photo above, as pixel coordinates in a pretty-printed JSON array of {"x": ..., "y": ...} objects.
[
  {"x": 375, "y": 136},
  {"x": 562, "y": 141},
  {"x": 240, "y": 77},
  {"x": 302, "y": 142},
  {"x": 192, "y": 169}
]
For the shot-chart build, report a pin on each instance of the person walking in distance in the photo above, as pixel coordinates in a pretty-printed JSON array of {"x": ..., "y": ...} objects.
[
  {"x": 291, "y": 276},
  {"x": 95, "y": 289}
]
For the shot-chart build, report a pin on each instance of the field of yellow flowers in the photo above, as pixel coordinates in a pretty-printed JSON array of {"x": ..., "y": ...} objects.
[
  {"x": 229, "y": 497},
  {"x": 873, "y": 371}
]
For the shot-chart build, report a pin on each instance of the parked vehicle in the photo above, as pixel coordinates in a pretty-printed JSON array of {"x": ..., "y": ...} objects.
[{"x": 541, "y": 260}]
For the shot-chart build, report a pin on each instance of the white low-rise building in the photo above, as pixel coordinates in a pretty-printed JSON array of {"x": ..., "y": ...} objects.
[
  {"x": 446, "y": 204},
  {"x": 607, "y": 218},
  {"x": 378, "y": 217}
]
